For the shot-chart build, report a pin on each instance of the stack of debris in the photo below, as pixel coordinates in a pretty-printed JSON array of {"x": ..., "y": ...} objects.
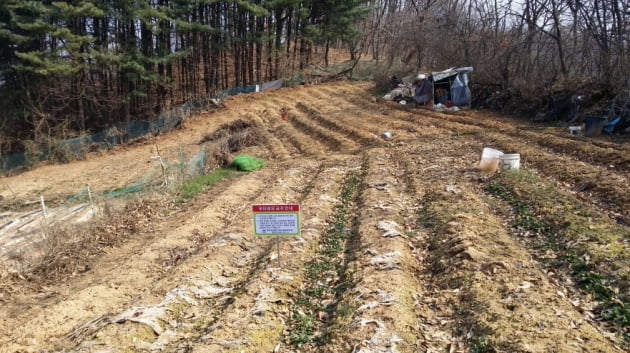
[{"x": 444, "y": 89}]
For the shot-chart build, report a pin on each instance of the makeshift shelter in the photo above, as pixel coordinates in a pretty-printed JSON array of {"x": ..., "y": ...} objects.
[{"x": 446, "y": 87}]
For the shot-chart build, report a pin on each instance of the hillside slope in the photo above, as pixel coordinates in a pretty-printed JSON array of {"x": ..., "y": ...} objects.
[{"x": 406, "y": 246}]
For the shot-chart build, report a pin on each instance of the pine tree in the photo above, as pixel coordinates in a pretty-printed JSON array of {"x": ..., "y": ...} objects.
[{"x": 332, "y": 20}]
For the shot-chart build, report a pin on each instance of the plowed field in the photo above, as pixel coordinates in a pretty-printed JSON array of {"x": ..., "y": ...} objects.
[{"x": 406, "y": 246}]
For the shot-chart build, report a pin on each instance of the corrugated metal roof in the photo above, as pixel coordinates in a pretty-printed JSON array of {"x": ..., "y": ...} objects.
[{"x": 441, "y": 75}]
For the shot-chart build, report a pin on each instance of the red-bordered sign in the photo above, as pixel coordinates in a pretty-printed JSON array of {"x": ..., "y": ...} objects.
[{"x": 276, "y": 220}]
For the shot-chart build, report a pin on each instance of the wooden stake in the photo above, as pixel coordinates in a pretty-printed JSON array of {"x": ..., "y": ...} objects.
[
  {"x": 41, "y": 199},
  {"x": 159, "y": 157},
  {"x": 90, "y": 197}
]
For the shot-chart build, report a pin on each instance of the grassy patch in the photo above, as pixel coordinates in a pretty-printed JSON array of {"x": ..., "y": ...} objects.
[
  {"x": 197, "y": 185},
  {"x": 579, "y": 238}
]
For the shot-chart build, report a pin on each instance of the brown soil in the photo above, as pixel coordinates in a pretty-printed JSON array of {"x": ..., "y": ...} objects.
[{"x": 430, "y": 258}]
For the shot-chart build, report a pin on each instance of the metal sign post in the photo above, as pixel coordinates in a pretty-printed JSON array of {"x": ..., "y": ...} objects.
[{"x": 278, "y": 248}]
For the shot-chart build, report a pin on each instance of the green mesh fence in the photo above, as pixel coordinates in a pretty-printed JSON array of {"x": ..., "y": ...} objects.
[
  {"x": 167, "y": 174},
  {"x": 122, "y": 132},
  {"x": 169, "y": 120},
  {"x": 137, "y": 186}
]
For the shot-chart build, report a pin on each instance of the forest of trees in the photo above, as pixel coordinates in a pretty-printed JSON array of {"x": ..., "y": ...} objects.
[
  {"x": 522, "y": 43},
  {"x": 81, "y": 65}
]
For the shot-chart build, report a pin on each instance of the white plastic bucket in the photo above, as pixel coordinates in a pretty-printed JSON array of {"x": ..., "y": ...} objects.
[
  {"x": 510, "y": 161},
  {"x": 489, "y": 159}
]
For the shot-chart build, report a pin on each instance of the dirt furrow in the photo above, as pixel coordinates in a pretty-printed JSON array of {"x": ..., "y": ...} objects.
[
  {"x": 406, "y": 245},
  {"x": 488, "y": 283},
  {"x": 352, "y": 131},
  {"x": 294, "y": 133},
  {"x": 347, "y": 114},
  {"x": 304, "y": 123},
  {"x": 500, "y": 288},
  {"x": 264, "y": 309},
  {"x": 332, "y": 139},
  {"x": 602, "y": 153},
  {"x": 604, "y": 187},
  {"x": 612, "y": 156},
  {"x": 609, "y": 156},
  {"x": 350, "y": 118},
  {"x": 278, "y": 148},
  {"x": 145, "y": 263},
  {"x": 208, "y": 285},
  {"x": 378, "y": 313}
]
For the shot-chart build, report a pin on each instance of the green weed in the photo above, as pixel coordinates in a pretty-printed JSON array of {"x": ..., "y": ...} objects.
[
  {"x": 325, "y": 265},
  {"x": 303, "y": 330},
  {"x": 614, "y": 307},
  {"x": 481, "y": 345},
  {"x": 196, "y": 185}
]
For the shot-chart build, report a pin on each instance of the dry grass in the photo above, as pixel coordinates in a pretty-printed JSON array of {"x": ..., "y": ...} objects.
[
  {"x": 69, "y": 249},
  {"x": 226, "y": 130},
  {"x": 231, "y": 138}
]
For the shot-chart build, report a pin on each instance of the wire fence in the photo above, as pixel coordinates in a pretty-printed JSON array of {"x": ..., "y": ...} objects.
[
  {"x": 122, "y": 132},
  {"x": 21, "y": 229}
]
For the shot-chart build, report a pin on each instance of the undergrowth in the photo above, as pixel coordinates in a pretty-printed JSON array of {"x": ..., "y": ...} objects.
[
  {"x": 551, "y": 235},
  {"x": 194, "y": 186},
  {"x": 324, "y": 274},
  {"x": 67, "y": 249}
]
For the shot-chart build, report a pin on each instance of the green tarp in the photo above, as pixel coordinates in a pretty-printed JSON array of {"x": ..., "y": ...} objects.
[{"x": 247, "y": 163}]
